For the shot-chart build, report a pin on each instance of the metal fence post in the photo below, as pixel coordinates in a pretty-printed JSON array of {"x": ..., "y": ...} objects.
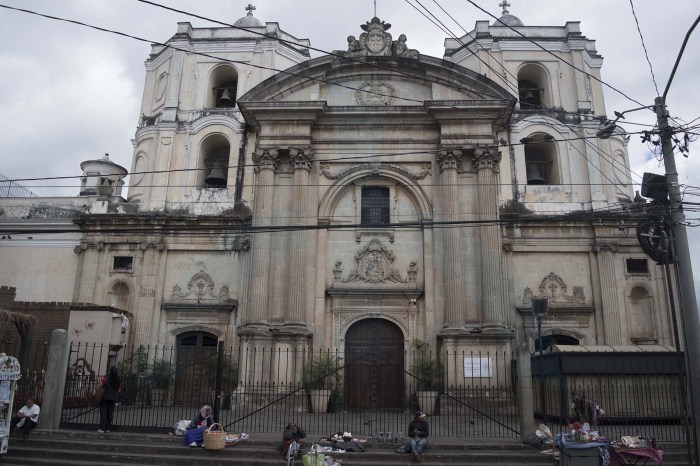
[{"x": 219, "y": 379}]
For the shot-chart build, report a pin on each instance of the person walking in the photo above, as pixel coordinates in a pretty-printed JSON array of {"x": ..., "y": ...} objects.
[
  {"x": 111, "y": 384},
  {"x": 418, "y": 431}
]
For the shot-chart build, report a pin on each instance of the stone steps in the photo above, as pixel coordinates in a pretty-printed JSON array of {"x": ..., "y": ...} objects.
[{"x": 88, "y": 448}]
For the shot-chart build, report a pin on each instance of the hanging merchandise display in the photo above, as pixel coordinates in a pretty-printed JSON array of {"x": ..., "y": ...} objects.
[{"x": 10, "y": 373}]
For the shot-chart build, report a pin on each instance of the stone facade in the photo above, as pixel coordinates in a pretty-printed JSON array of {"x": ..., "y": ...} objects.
[{"x": 250, "y": 214}]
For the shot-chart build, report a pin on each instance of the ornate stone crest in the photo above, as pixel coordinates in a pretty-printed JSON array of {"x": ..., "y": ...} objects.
[
  {"x": 200, "y": 286},
  {"x": 375, "y": 93},
  {"x": 374, "y": 264},
  {"x": 375, "y": 41},
  {"x": 554, "y": 287}
]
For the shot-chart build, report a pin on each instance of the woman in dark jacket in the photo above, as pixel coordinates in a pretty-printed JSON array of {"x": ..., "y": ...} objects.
[
  {"x": 292, "y": 433},
  {"x": 112, "y": 385}
]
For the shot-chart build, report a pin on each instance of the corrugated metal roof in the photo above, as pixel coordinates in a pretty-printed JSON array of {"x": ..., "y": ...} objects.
[{"x": 612, "y": 349}]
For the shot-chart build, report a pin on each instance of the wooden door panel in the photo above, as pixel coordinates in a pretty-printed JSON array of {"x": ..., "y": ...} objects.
[{"x": 375, "y": 362}]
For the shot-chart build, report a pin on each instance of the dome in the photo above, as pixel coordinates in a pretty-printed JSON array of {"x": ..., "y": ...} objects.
[
  {"x": 248, "y": 21},
  {"x": 508, "y": 20}
]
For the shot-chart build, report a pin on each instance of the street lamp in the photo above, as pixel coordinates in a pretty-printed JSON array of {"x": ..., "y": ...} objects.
[{"x": 539, "y": 310}]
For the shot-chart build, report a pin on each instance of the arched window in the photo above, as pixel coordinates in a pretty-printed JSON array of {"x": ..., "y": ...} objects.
[
  {"x": 533, "y": 88},
  {"x": 541, "y": 161},
  {"x": 214, "y": 152},
  {"x": 224, "y": 86},
  {"x": 118, "y": 296},
  {"x": 641, "y": 316}
]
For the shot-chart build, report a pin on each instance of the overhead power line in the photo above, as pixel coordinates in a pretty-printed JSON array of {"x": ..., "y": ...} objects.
[{"x": 646, "y": 54}]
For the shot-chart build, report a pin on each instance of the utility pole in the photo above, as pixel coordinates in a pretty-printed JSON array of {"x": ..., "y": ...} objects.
[{"x": 688, "y": 302}]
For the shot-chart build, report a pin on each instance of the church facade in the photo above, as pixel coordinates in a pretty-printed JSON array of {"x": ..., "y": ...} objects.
[{"x": 372, "y": 197}]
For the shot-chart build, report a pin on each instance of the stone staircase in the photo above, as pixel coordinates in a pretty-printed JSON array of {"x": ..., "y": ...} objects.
[{"x": 87, "y": 448}]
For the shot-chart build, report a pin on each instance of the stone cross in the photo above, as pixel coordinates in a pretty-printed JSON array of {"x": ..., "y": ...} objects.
[
  {"x": 250, "y": 9},
  {"x": 504, "y": 4}
]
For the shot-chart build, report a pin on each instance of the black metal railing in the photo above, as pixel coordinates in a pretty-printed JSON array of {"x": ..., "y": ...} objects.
[{"x": 31, "y": 385}]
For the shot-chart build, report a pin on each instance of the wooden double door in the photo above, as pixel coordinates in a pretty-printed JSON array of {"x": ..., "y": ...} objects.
[{"x": 374, "y": 365}]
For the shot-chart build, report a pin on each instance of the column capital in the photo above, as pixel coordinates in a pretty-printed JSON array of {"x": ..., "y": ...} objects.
[
  {"x": 486, "y": 158},
  {"x": 606, "y": 247},
  {"x": 300, "y": 158},
  {"x": 265, "y": 158},
  {"x": 449, "y": 159}
]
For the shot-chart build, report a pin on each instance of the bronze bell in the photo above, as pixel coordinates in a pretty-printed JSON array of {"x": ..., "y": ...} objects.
[
  {"x": 225, "y": 100},
  {"x": 216, "y": 177},
  {"x": 535, "y": 173}
]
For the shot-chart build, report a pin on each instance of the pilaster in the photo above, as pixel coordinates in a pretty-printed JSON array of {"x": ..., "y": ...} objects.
[
  {"x": 449, "y": 161},
  {"x": 266, "y": 161},
  {"x": 486, "y": 162},
  {"x": 147, "y": 291},
  {"x": 300, "y": 159},
  {"x": 608, "y": 284}
]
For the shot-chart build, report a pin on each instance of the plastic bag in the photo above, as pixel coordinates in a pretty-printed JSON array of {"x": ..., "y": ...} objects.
[
  {"x": 181, "y": 427},
  {"x": 313, "y": 460}
]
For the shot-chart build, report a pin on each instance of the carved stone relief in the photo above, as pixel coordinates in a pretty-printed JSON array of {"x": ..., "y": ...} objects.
[
  {"x": 375, "y": 41},
  {"x": 554, "y": 287},
  {"x": 425, "y": 170},
  {"x": 200, "y": 286},
  {"x": 375, "y": 93},
  {"x": 374, "y": 264}
]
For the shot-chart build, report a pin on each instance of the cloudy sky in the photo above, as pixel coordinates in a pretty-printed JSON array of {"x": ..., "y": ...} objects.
[{"x": 69, "y": 93}]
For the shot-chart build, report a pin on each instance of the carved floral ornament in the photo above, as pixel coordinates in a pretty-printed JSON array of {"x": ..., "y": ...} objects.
[
  {"x": 553, "y": 287},
  {"x": 374, "y": 264},
  {"x": 300, "y": 159},
  {"x": 265, "y": 158},
  {"x": 449, "y": 159},
  {"x": 200, "y": 286},
  {"x": 486, "y": 158}
]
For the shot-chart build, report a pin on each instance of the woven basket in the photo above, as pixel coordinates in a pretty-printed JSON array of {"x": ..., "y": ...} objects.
[{"x": 215, "y": 440}]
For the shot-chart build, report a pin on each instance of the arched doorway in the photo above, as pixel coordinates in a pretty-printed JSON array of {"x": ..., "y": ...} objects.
[
  {"x": 374, "y": 371},
  {"x": 196, "y": 364}
]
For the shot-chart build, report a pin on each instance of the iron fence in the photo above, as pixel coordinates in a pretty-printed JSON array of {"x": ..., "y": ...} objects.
[
  {"x": 325, "y": 391},
  {"x": 31, "y": 385}
]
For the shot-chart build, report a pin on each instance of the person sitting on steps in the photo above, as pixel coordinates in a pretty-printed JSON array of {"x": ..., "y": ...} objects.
[
  {"x": 27, "y": 418},
  {"x": 418, "y": 430}
]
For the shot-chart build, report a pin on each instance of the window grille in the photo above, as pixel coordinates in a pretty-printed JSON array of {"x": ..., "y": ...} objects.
[
  {"x": 122, "y": 263},
  {"x": 637, "y": 266},
  {"x": 375, "y": 205}
]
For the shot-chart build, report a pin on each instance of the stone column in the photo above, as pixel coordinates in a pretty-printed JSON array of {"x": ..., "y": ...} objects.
[
  {"x": 300, "y": 159},
  {"x": 449, "y": 161},
  {"x": 493, "y": 301},
  {"x": 609, "y": 293},
  {"x": 265, "y": 161}
]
